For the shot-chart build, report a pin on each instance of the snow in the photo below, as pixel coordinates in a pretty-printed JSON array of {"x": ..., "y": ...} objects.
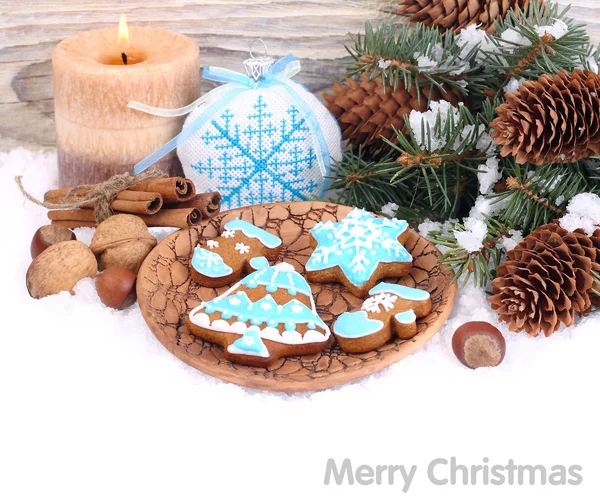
[
  {"x": 390, "y": 209},
  {"x": 384, "y": 64},
  {"x": 512, "y": 38},
  {"x": 488, "y": 175},
  {"x": 442, "y": 110},
  {"x": 472, "y": 37},
  {"x": 514, "y": 85},
  {"x": 472, "y": 238},
  {"x": 510, "y": 242},
  {"x": 95, "y": 410},
  {"x": 583, "y": 211},
  {"x": 558, "y": 29}
]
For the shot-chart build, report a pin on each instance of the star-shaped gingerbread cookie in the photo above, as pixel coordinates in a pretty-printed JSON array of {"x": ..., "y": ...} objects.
[{"x": 358, "y": 251}]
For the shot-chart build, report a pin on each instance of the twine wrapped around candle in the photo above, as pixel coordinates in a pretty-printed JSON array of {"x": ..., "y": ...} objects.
[{"x": 99, "y": 195}]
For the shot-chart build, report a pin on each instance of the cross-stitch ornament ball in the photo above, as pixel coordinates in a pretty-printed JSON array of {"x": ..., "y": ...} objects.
[{"x": 259, "y": 138}]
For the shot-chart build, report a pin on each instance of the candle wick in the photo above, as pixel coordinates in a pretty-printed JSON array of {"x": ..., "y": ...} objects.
[{"x": 124, "y": 58}]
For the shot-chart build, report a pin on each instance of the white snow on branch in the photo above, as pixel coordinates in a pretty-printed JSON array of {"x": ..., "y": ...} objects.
[
  {"x": 514, "y": 85},
  {"x": 488, "y": 174},
  {"x": 442, "y": 110},
  {"x": 558, "y": 29},
  {"x": 510, "y": 242},
  {"x": 472, "y": 238},
  {"x": 583, "y": 211},
  {"x": 389, "y": 209}
]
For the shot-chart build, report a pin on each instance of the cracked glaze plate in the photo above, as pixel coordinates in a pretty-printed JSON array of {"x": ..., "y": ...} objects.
[{"x": 166, "y": 294}]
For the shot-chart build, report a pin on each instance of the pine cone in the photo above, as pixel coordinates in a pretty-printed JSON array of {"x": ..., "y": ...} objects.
[
  {"x": 458, "y": 14},
  {"x": 545, "y": 280},
  {"x": 365, "y": 112},
  {"x": 553, "y": 119}
]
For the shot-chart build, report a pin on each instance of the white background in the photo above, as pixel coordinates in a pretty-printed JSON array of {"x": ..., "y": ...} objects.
[{"x": 94, "y": 409}]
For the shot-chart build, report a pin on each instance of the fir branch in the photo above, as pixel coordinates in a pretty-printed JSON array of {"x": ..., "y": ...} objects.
[
  {"x": 537, "y": 54},
  {"x": 393, "y": 54},
  {"x": 513, "y": 184},
  {"x": 535, "y": 195},
  {"x": 479, "y": 265}
]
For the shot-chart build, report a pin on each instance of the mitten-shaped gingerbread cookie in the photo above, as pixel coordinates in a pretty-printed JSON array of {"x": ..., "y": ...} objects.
[
  {"x": 391, "y": 310},
  {"x": 269, "y": 314},
  {"x": 241, "y": 248},
  {"x": 358, "y": 251}
]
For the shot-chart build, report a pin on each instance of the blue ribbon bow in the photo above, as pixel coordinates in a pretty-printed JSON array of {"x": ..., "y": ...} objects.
[{"x": 236, "y": 84}]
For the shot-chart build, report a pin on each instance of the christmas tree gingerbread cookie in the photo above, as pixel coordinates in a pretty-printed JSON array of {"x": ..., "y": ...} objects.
[
  {"x": 267, "y": 315},
  {"x": 391, "y": 310},
  {"x": 358, "y": 251},
  {"x": 241, "y": 248}
]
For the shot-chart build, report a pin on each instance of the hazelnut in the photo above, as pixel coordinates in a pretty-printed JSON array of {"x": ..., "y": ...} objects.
[
  {"x": 122, "y": 241},
  {"x": 59, "y": 268},
  {"x": 478, "y": 344},
  {"x": 116, "y": 287},
  {"x": 49, "y": 235}
]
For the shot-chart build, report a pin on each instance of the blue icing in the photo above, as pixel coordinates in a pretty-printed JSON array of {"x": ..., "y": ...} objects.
[
  {"x": 209, "y": 264},
  {"x": 277, "y": 277},
  {"x": 249, "y": 343},
  {"x": 259, "y": 263},
  {"x": 357, "y": 245},
  {"x": 406, "y": 317},
  {"x": 401, "y": 291},
  {"x": 356, "y": 325},
  {"x": 264, "y": 311},
  {"x": 251, "y": 231}
]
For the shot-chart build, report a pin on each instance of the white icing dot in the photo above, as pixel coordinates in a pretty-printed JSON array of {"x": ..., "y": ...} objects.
[
  {"x": 265, "y": 306},
  {"x": 234, "y": 302},
  {"x": 296, "y": 308}
]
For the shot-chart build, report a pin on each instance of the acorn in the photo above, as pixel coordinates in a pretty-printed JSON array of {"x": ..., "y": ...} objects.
[
  {"x": 116, "y": 287},
  {"x": 478, "y": 344},
  {"x": 49, "y": 235}
]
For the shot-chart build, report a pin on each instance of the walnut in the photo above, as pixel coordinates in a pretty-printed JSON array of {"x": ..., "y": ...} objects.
[
  {"x": 122, "y": 241},
  {"x": 59, "y": 268}
]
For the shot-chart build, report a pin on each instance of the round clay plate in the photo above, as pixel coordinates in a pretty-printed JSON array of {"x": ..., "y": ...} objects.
[{"x": 166, "y": 294}]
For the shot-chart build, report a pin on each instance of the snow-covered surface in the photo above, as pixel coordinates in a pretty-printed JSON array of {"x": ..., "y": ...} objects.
[{"x": 94, "y": 409}]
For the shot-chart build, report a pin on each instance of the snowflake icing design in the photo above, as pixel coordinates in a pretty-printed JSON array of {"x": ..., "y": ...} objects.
[
  {"x": 357, "y": 245},
  {"x": 262, "y": 156},
  {"x": 212, "y": 244},
  {"x": 228, "y": 233},
  {"x": 242, "y": 248},
  {"x": 383, "y": 300}
]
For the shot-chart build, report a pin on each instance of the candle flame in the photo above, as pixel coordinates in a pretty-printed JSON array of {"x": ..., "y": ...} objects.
[{"x": 123, "y": 32}]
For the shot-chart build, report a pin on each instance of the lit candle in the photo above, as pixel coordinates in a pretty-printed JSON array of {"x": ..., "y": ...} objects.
[{"x": 96, "y": 73}]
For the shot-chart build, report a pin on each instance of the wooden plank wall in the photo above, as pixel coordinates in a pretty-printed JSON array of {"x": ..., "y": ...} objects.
[{"x": 314, "y": 30}]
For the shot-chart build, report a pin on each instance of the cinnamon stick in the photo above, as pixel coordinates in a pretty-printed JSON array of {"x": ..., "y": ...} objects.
[
  {"x": 172, "y": 189},
  {"x": 135, "y": 202},
  {"x": 179, "y": 218},
  {"x": 82, "y": 215},
  {"x": 74, "y": 224},
  {"x": 208, "y": 204}
]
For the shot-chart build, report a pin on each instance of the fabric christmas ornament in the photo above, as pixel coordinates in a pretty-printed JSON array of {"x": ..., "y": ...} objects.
[{"x": 260, "y": 138}]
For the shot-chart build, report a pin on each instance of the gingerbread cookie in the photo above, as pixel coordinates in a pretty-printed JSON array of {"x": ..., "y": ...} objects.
[
  {"x": 269, "y": 314},
  {"x": 391, "y": 310},
  {"x": 241, "y": 248},
  {"x": 358, "y": 251}
]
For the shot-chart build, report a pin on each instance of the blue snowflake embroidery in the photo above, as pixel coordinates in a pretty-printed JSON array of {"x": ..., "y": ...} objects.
[{"x": 266, "y": 160}]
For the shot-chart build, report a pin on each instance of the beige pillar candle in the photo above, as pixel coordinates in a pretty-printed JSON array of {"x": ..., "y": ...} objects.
[{"x": 97, "y": 136}]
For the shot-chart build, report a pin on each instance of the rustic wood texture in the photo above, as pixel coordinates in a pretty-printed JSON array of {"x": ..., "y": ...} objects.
[
  {"x": 166, "y": 294},
  {"x": 314, "y": 30}
]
